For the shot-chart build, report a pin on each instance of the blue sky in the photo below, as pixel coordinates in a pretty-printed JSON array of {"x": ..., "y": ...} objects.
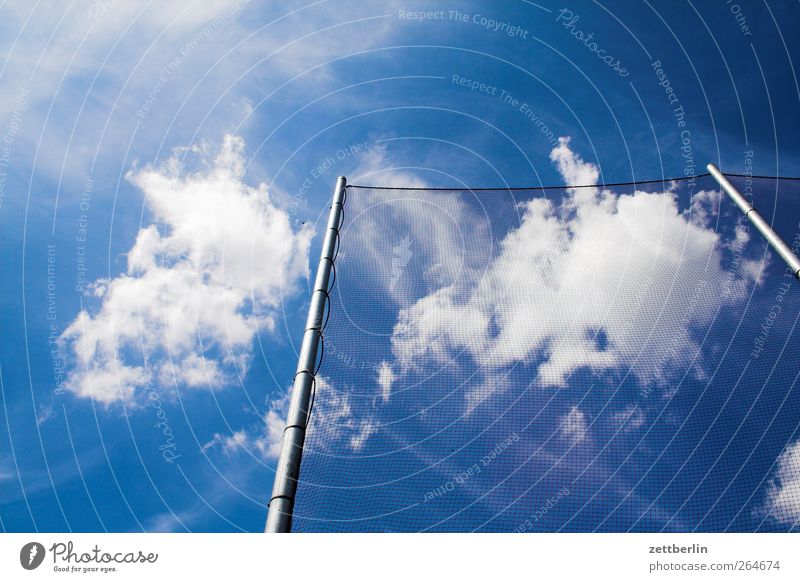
[{"x": 165, "y": 178}]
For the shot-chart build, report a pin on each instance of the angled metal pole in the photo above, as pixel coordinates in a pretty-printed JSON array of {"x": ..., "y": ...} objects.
[
  {"x": 287, "y": 472},
  {"x": 773, "y": 238}
]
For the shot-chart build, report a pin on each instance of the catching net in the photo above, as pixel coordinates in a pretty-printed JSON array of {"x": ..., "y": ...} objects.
[{"x": 585, "y": 359}]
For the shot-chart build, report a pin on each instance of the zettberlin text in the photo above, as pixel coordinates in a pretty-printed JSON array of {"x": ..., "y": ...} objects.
[{"x": 673, "y": 549}]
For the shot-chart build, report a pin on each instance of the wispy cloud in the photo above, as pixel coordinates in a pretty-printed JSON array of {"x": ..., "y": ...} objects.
[
  {"x": 333, "y": 424},
  {"x": 46, "y": 412},
  {"x": 575, "y": 426},
  {"x": 142, "y": 63},
  {"x": 399, "y": 238},
  {"x": 6, "y": 472},
  {"x": 630, "y": 419},
  {"x": 386, "y": 378}
]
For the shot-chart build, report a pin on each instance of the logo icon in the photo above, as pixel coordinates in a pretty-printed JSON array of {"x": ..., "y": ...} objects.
[{"x": 31, "y": 555}]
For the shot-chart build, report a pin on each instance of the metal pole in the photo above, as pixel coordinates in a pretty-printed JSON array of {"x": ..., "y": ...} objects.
[
  {"x": 762, "y": 225},
  {"x": 287, "y": 472}
]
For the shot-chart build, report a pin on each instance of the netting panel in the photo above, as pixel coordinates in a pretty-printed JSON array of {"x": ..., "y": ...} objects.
[{"x": 558, "y": 360}]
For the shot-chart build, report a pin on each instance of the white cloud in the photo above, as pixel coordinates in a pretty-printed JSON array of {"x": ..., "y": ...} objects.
[
  {"x": 783, "y": 492},
  {"x": 401, "y": 255},
  {"x": 490, "y": 385},
  {"x": 174, "y": 521},
  {"x": 407, "y": 245},
  {"x": 265, "y": 440},
  {"x": 333, "y": 424},
  {"x": 574, "y": 426},
  {"x": 228, "y": 443},
  {"x": 422, "y": 327},
  {"x": 630, "y": 419},
  {"x": 45, "y": 413},
  {"x": 366, "y": 428},
  {"x": 386, "y": 378},
  {"x": 598, "y": 281},
  {"x": 196, "y": 290},
  {"x": 269, "y": 443},
  {"x": 575, "y": 171}
]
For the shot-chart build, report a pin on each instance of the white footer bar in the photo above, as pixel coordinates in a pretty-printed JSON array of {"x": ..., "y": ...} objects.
[{"x": 356, "y": 557}]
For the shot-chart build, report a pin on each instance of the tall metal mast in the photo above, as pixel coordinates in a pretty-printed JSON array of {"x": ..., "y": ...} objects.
[
  {"x": 773, "y": 238},
  {"x": 287, "y": 473}
]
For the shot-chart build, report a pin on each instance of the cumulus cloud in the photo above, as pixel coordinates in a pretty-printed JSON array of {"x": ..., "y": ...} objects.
[
  {"x": 200, "y": 283},
  {"x": 333, "y": 425},
  {"x": 598, "y": 280},
  {"x": 783, "y": 491}
]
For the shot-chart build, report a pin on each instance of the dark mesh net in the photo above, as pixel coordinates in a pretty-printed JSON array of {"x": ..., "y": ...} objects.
[{"x": 592, "y": 359}]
